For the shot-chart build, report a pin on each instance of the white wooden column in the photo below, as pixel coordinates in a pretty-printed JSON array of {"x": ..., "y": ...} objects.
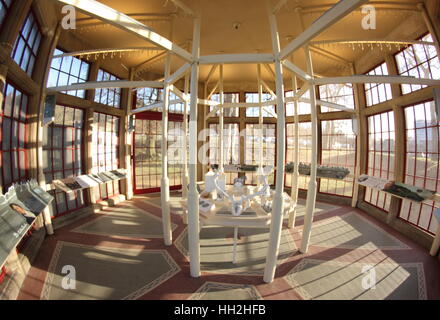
[
  {"x": 277, "y": 209},
  {"x": 311, "y": 192},
  {"x": 221, "y": 122},
  {"x": 260, "y": 121},
  {"x": 185, "y": 142},
  {"x": 165, "y": 182},
  {"x": 295, "y": 173},
  {"x": 193, "y": 195},
  {"x": 356, "y": 121}
]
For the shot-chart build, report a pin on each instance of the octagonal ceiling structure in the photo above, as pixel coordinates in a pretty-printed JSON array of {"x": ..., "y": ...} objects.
[{"x": 230, "y": 27}]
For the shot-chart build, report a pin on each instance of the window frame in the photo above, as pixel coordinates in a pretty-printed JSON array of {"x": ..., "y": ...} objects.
[
  {"x": 96, "y": 155},
  {"x": 63, "y": 170},
  {"x": 23, "y": 173},
  {"x": 116, "y": 91},
  {"x": 26, "y": 45},
  {"x": 414, "y": 175},
  {"x": 387, "y": 197},
  {"x": 69, "y": 75},
  {"x": 376, "y": 86},
  {"x": 415, "y": 67}
]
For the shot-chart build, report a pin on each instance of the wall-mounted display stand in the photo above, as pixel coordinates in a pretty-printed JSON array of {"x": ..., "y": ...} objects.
[{"x": 19, "y": 209}]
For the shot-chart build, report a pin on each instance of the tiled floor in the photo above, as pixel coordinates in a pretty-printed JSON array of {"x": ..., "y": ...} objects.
[{"x": 118, "y": 254}]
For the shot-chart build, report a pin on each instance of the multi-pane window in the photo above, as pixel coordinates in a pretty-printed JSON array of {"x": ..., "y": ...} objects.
[
  {"x": 147, "y": 154},
  {"x": 252, "y": 148},
  {"x": 303, "y": 107},
  {"x": 108, "y": 96},
  {"x": 4, "y": 6},
  {"x": 27, "y": 44},
  {"x": 175, "y": 152},
  {"x": 66, "y": 71},
  {"x": 148, "y": 96},
  {"x": 255, "y": 111},
  {"x": 13, "y": 127},
  {"x": 338, "y": 150},
  {"x": 63, "y": 143},
  {"x": 381, "y": 139},
  {"x": 305, "y": 150},
  {"x": 227, "y": 98},
  {"x": 376, "y": 93},
  {"x": 105, "y": 141},
  {"x": 341, "y": 94},
  {"x": 419, "y": 61},
  {"x": 422, "y": 163},
  {"x": 176, "y": 105},
  {"x": 231, "y": 146}
]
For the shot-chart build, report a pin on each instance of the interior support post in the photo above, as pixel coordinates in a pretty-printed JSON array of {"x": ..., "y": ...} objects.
[
  {"x": 165, "y": 183},
  {"x": 128, "y": 140},
  {"x": 357, "y": 120},
  {"x": 193, "y": 195},
  {"x": 221, "y": 122},
  {"x": 295, "y": 173},
  {"x": 311, "y": 192},
  {"x": 278, "y": 203},
  {"x": 260, "y": 121},
  {"x": 185, "y": 142}
]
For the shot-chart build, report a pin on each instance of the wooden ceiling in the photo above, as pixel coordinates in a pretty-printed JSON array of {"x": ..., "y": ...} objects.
[{"x": 218, "y": 34}]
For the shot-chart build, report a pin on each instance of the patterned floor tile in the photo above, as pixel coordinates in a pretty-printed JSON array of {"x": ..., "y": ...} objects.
[
  {"x": 328, "y": 280},
  {"x": 225, "y": 291},
  {"x": 106, "y": 273}
]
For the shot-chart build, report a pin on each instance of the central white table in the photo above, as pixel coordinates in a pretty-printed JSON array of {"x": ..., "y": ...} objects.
[{"x": 219, "y": 214}]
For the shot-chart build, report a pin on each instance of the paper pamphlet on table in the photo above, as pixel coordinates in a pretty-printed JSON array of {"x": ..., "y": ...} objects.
[
  {"x": 89, "y": 180},
  {"x": 111, "y": 175},
  {"x": 19, "y": 208},
  {"x": 67, "y": 185},
  {"x": 104, "y": 177},
  {"x": 398, "y": 189},
  {"x": 120, "y": 173},
  {"x": 86, "y": 181},
  {"x": 33, "y": 196}
]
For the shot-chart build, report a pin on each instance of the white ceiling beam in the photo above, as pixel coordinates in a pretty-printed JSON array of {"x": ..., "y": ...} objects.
[
  {"x": 213, "y": 90},
  {"x": 107, "y": 84},
  {"x": 268, "y": 89},
  {"x": 270, "y": 111},
  {"x": 154, "y": 106},
  {"x": 179, "y": 93},
  {"x": 210, "y": 73},
  {"x": 183, "y": 70},
  {"x": 376, "y": 79},
  {"x": 208, "y": 102},
  {"x": 330, "y": 17},
  {"x": 329, "y": 105},
  {"x": 124, "y": 22},
  {"x": 296, "y": 70},
  {"x": 237, "y": 58},
  {"x": 300, "y": 92}
]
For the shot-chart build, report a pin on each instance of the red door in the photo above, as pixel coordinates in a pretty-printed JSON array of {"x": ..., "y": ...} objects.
[{"x": 147, "y": 160}]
